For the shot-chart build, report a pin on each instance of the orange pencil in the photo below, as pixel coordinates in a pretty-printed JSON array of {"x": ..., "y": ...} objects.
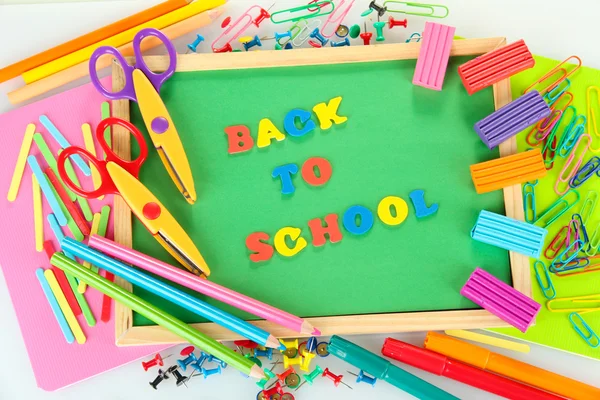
[
  {"x": 14, "y": 70},
  {"x": 510, "y": 368}
]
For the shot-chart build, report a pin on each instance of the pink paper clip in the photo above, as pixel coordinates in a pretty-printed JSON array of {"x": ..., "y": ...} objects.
[
  {"x": 562, "y": 178},
  {"x": 222, "y": 44},
  {"x": 434, "y": 55},
  {"x": 336, "y": 17}
]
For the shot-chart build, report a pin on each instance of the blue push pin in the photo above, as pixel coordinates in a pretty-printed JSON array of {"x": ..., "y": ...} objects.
[
  {"x": 264, "y": 353},
  {"x": 311, "y": 344},
  {"x": 252, "y": 43},
  {"x": 209, "y": 372},
  {"x": 317, "y": 35},
  {"x": 362, "y": 377},
  {"x": 288, "y": 46},
  {"x": 198, "y": 364},
  {"x": 279, "y": 36},
  {"x": 194, "y": 46},
  {"x": 341, "y": 43},
  {"x": 221, "y": 363},
  {"x": 186, "y": 361}
]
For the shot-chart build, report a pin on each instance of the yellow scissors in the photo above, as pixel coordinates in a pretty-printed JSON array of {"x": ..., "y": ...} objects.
[
  {"x": 119, "y": 176},
  {"x": 143, "y": 86}
]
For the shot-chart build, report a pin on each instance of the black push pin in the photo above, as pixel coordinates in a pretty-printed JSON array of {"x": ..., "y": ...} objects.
[
  {"x": 180, "y": 379},
  {"x": 380, "y": 9},
  {"x": 161, "y": 377}
]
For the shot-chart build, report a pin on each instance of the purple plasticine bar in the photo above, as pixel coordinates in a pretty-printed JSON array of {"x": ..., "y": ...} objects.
[
  {"x": 500, "y": 299},
  {"x": 433, "y": 56},
  {"x": 511, "y": 119}
]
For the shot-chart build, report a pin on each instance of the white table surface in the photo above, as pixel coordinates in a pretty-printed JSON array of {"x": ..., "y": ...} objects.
[{"x": 553, "y": 28}]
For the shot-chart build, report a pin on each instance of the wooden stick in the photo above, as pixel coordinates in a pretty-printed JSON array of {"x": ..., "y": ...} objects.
[{"x": 82, "y": 70}]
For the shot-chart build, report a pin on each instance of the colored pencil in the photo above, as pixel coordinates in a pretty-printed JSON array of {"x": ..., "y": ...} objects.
[
  {"x": 120, "y": 39},
  {"x": 81, "y": 70},
  {"x": 142, "y": 307},
  {"x": 203, "y": 286},
  {"x": 172, "y": 294},
  {"x": 14, "y": 70}
]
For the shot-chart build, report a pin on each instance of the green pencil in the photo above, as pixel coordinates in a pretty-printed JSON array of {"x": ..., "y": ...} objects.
[{"x": 206, "y": 343}]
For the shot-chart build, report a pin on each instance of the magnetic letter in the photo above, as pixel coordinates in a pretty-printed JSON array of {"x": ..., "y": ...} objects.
[
  {"x": 384, "y": 210},
  {"x": 256, "y": 242},
  {"x": 239, "y": 139},
  {"x": 418, "y": 199},
  {"x": 331, "y": 228},
  {"x": 285, "y": 172},
  {"x": 309, "y": 174},
  {"x": 267, "y": 131},
  {"x": 289, "y": 123},
  {"x": 366, "y": 220},
  {"x": 294, "y": 234},
  {"x": 328, "y": 113}
]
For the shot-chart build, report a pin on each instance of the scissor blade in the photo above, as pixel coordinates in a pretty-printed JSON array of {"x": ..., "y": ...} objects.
[
  {"x": 190, "y": 195},
  {"x": 179, "y": 254}
]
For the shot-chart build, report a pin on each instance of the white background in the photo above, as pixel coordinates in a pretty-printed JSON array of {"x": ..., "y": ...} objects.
[{"x": 553, "y": 28}]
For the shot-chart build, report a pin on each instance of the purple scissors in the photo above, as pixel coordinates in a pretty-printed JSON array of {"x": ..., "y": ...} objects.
[{"x": 143, "y": 86}]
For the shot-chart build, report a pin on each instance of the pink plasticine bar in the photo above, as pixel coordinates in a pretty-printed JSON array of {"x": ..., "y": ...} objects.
[
  {"x": 433, "y": 56},
  {"x": 201, "y": 285}
]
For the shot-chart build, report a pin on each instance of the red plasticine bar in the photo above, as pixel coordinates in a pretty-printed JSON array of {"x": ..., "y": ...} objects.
[
  {"x": 496, "y": 65},
  {"x": 62, "y": 280},
  {"x": 62, "y": 193}
]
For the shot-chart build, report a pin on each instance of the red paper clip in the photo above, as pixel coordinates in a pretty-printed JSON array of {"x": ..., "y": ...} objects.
[
  {"x": 557, "y": 243},
  {"x": 564, "y": 74}
]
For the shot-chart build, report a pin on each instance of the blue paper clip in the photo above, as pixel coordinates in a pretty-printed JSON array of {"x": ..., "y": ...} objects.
[
  {"x": 576, "y": 263},
  {"x": 585, "y": 172},
  {"x": 553, "y": 95},
  {"x": 509, "y": 234},
  {"x": 529, "y": 201},
  {"x": 548, "y": 289},
  {"x": 415, "y": 37},
  {"x": 554, "y": 212},
  {"x": 581, "y": 227},
  {"x": 311, "y": 14},
  {"x": 559, "y": 263},
  {"x": 587, "y": 333}
]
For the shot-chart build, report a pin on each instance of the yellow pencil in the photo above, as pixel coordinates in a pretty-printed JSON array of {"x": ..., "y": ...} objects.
[
  {"x": 38, "y": 216},
  {"x": 20, "y": 165},
  {"x": 64, "y": 306}
]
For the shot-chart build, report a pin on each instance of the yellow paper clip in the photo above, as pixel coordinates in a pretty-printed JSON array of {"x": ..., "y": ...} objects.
[
  {"x": 489, "y": 340},
  {"x": 584, "y": 330},
  {"x": 587, "y": 303},
  {"x": 317, "y": 7},
  {"x": 591, "y": 113},
  {"x": 422, "y": 9},
  {"x": 559, "y": 68}
]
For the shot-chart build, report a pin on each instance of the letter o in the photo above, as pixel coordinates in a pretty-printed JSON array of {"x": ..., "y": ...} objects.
[
  {"x": 308, "y": 171},
  {"x": 366, "y": 220},
  {"x": 384, "y": 210}
]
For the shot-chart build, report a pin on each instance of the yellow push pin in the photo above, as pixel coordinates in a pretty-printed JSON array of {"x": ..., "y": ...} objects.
[
  {"x": 292, "y": 344},
  {"x": 245, "y": 39},
  {"x": 307, "y": 358},
  {"x": 291, "y": 361}
]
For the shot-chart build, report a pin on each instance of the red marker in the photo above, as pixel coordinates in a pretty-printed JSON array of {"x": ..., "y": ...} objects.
[{"x": 441, "y": 365}]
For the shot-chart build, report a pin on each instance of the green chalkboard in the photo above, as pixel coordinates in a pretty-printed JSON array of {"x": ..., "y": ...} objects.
[{"x": 398, "y": 138}]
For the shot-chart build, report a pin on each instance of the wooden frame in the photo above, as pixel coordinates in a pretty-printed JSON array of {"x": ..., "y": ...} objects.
[{"x": 127, "y": 334}]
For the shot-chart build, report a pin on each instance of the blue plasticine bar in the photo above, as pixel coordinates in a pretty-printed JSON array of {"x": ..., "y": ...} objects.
[{"x": 511, "y": 119}]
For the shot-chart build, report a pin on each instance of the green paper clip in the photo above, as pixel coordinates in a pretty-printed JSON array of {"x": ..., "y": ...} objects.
[
  {"x": 587, "y": 333},
  {"x": 529, "y": 201},
  {"x": 572, "y": 133},
  {"x": 548, "y": 289},
  {"x": 592, "y": 247},
  {"x": 552, "y": 145},
  {"x": 554, "y": 212},
  {"x": 590, "y": 201},
  {"x": 424, "y": 10},
  {"x": 311, "y": 14}
]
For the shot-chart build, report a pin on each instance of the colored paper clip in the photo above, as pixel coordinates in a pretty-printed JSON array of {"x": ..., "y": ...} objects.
[
  {"x": 500, "y": 299},
  {"x": 572, "y": 133},
  {"x": 433, "y": 56},
  {"x": 584, "y": 330},
  {"x": 587, "y": 303},
  {"x": 529, "y": 202},
  {"x": 559, "y": 68},
  {"x": 563, "y": 259},
  {"x": 573, "y": 234},
  {"x": 294, "y": 31},
  {"x": 587, "y": 269},
  {"x": 557, "y": 209},
  {"x": 492, "y": 67},
  {"x": 588, "y": 206},
  {"x": 538, "y": 133},
  {"x": 305, "y": 32},
  {"x": 422, "y": 9},
  {"x": 238, "y": 28},
  {"x": 336, "y": 17},
  {"x": 316, "y": 7},
  {"x": 512, "y": 118},
  {"x": 549, "y": 154},
  {"x": 553, "y": 95},
  {"x": 581, "y": 228},
  {"x": 509, "y": 234},
  {"x": 572, "y": 166},
  {"x": 548, "y": 289},
  {"x": 584, "y": 173},
  {"x": 591, "y": 113},
  {"x": 508, "y": 171},
  {"x": 557, "y": 243},
  {"x": 592, "y": 247},
  {"x": 415, "y": 37}
]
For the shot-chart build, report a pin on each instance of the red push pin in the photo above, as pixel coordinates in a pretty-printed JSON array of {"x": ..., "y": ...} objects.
[
  {"x": 157, "y": 360},
  {"x": 314, "y": 44},
  {"x": 366, "y": 36},
  {"x": 264, "y": 14},
  {"x": 186, "y": 351},
  {"x": 394, "y": 22},
  {"x": 275, "y": 389},
  {"x": 336, "y": 379},
  {"x": 247, "y": 344},
  {"x": 226, "y": 22},
  {"x": 225, "y": 49},
  {"x": 285, "y": 374}
]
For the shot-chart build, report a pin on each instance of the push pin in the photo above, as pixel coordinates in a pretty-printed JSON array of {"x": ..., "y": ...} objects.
[
  {"x": 282, "y": 376},
  {"x": 180, "y": 379},
  {"x": 336, "y": 379},
  {"x": 278, "y": 46},
  {"x": 264, "y": 353},
  {"x": 366, "y": 36},
  {"x": 264, "y": 14},
  {"x": 214, "y": 359},
  {"x": 376, "y": 7},
  {"x": 341, "y": 43},
  {"x": 291, "y": 361},
  {"x": 270, "y": 375},
  {"x": 248, "y": 344},
  {"x": 161, "y": 377},
  {"x": 323, "y": 41},
  {"x": 275, "y": 389},
  {"x": 287, "y": 396},
  {"x": 225, "y": 23},
  {"x": 362, "y": 377},
  {"x": 307, "y": 360},
  {"x": 189, "y": 355},
  {"x": 311, "y": 344},
  {"x": 288, "y": 46},
  {"x": 279, "y": 36},
  {"x": 194, "y": 46},
  {"x": 157, "y": 360},
  {"x": 254, "y": 360},
  {"x": 379, "y": 28},
  {"x": 198, "y": 364},
  {"x": 322, "y": 349},
  {"x": 311, "y": 377},
  {"x": 209, "y": 372},
  {"x": 314, "y": 44},
  {"x": 394, "y": 22},
  {"x": 252, "y": 43},
  {"x": 342, "y": 31},
  {"x": 225, "y": 49}
]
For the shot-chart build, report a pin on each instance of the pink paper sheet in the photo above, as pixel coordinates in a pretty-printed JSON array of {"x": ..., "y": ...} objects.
[{"x": 55, "y": 363}]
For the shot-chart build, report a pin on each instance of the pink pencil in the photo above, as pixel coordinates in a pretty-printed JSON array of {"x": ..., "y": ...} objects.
[{"x": 201, "y": 285}]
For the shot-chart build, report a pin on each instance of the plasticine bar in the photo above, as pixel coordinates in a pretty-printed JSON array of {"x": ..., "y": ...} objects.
[{"x": 433, "y": 56}]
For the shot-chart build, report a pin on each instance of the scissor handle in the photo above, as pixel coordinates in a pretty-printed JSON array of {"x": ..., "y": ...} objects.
[
  {"x": 106, "y": 186},
  {"x": 157, "y": 80},
  {"x": 133, "y": 167},
  {"x": 128, "y": 91}
]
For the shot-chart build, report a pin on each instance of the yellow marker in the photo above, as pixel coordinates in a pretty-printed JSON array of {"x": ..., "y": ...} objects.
[
  {"x": 64, "y": 306},
  {"x": 20, "y": 166},
  {"x": 305, "y": 366},
  {"x": 491, "y": 340},
  {"x": 93, "y": 231},
  {"x": 88, "y": 140},
  {"x": 38, "y": 216},
  {"x": 291, "y": 361}
]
